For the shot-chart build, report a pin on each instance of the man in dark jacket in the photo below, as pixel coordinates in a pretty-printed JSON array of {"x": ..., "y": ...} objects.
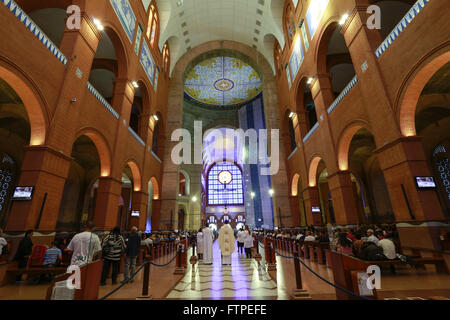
[
  {"x": 24, "y": 251},
  {"x": 370, "y": 251},
  {"x": 131, "y": 253}
]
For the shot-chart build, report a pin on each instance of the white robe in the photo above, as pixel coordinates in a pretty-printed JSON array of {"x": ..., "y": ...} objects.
[
  {"x": 227, "y": 243},
  {"x": 207, "y": 246},
  {"x": 199, "y": 243}
]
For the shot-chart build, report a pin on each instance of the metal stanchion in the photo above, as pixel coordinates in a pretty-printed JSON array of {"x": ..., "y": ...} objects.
[
  {"x": 145, "y": 283},
  {"x": 193, "y": 260},
  {"x": 271, "y": 265},
  {"x": 298, "y": 293},
  {"x": 258, "y": 256},
  {"x": 179, "y": 268}
]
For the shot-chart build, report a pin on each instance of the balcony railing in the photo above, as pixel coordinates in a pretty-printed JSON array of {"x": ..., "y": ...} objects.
[
  {"x": 156, "y": 157},
  {"x": 314, "y": 128},
  {"x": 293, "y": 153},
  {"x": 34, "y": 29},
  {"x": 401, "y": 26},
  {"x": 344, "y": 92},
  {"x": 102, "y": 100},
  {"x": 134, "y": 134}
]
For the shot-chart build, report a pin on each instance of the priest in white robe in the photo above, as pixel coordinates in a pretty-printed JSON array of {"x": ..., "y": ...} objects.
[
  {"x": 226, "y": 242},
  {"x": 200, "y": 244},
  {"x": 208, "y": 239}
]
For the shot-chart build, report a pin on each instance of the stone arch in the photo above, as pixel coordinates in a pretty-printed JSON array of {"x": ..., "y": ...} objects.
[
  {"x": 155, "y": 186},
  {"x": 174, "y": 51},
  {"x": 103, "y": 149},
  {"x": 187, "y": 182},
  {"x": 323, "y": 41},
  {"x": 31, "y": 99},
  {"x": 413, "y": 86},
  {"x": 276, "y": 8},
  {"x": 312, "y": 172},
  {"x": 294, "y": 185},
  {"x": 269, "y": 45},
  {"x": 137, "y": 184},
  {"x": 119, "y": 48},
  {"x": 345, "y": 140}
]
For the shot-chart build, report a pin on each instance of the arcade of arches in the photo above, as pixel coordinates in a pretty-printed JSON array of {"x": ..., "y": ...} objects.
[{"x": 89, "y": 117}]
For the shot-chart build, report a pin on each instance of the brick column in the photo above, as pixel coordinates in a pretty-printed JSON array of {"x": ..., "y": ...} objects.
[
  {"x": 401, "y": 161},
  {"x": 46, "y": 169},
  {"x": 295, "y": 209},
  {"x": 344, "y": 205},
  {"x": 139, "y": 202},
  {"x": 156, "y": 214},
  {"x": 107, "y": 203},
  {"x": 311, "y": 198}
]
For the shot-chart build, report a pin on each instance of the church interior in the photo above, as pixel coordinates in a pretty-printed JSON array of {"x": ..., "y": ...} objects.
[{"x": 318, "y": 130}]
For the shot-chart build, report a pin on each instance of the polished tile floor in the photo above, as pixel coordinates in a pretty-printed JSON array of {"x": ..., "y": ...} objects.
[{"x": 244, "y": 279}]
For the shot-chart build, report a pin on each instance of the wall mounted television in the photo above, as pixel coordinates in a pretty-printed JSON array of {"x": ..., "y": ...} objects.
[
  {"x": 425, "y": 182},
  {"x": 23, "y": 193},
  {"x": 135, "y": 213}
]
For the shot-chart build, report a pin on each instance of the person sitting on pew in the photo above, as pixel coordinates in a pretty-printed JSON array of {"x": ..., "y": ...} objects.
[
  {"x": 372, "y": 252},
  {"x": 146, "y": 241},
  {"x": 309, "y": 236},
  {"x": 387, "y": 245},
  {"x": 323, "y": 237},
  {"x": 357, "y": 245},
  {"x": 23, "y": 252},
  {"x": 371, "y": 237},
  {"x": 344, "y": 245},
  {"x": 3, "y": 243},
  {"x": 52, "y": 259},
  {"x": 52, "y": 256}
]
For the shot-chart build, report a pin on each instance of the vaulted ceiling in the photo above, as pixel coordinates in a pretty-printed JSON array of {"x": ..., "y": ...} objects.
[{"x": 189, "y": 23}]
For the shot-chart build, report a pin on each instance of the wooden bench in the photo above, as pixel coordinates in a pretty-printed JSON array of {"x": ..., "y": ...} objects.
[
  {"x": 90, "y": 281},
  {"x": 13, "y": 271},
  {"x": 439, "y": 262}
]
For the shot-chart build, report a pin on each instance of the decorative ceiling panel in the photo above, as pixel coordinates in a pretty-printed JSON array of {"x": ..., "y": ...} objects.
[{"x": 222, "y": 81}]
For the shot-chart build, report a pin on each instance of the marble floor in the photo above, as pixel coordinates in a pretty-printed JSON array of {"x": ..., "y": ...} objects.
[{"x": 244, "y": 279}]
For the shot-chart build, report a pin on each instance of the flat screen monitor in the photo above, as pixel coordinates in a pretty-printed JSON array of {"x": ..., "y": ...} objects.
[
  {"x": 425, "y": 182},
  {"x": 315, "y": 209},
  {"x": 135, "y": 213},
  {"x": 23, "y": 193}
]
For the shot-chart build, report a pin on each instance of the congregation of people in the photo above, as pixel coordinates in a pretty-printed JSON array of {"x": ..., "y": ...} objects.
[{"x": 364, "y": 242}]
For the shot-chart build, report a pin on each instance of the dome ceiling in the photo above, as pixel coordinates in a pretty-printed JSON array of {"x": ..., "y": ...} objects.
[
  {"x": 189, "y": 23},
  {"x": 222, "y": 81}
]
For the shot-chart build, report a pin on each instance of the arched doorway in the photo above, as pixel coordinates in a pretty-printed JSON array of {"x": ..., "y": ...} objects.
[
  {"x": 77, "y": 196},
  {"x": 432, "y": 123}
]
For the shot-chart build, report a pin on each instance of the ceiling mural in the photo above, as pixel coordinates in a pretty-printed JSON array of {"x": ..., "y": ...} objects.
[{"x": 222, "y": 81}]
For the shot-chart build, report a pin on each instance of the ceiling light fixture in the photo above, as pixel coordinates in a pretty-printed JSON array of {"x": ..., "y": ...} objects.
[
  {"x": 271, "y": 192},
  {"x": 135, "y": 84},
  {"x": 98, "y": 24},
  {"x": 310, "y": 80},
  {"x": 291, "y": 114},
  {"x": 155, "y": 117},
  {"x": 343, "y": 19}
]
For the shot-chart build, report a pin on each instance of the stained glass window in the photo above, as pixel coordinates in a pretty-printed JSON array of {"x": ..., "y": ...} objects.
[{"x": 225, "y": 194}]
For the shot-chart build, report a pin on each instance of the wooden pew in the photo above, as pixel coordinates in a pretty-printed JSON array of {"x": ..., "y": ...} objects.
[
  {"x": 345, "y": 270},
  {"x": 90, "y": 282}
]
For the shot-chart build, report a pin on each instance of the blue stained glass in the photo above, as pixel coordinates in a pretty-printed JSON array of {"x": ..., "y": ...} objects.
[{"x": 225, "y": 194}]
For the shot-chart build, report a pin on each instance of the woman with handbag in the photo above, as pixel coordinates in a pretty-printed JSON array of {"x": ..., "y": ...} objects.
[{"x": 112, "y": 249}]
